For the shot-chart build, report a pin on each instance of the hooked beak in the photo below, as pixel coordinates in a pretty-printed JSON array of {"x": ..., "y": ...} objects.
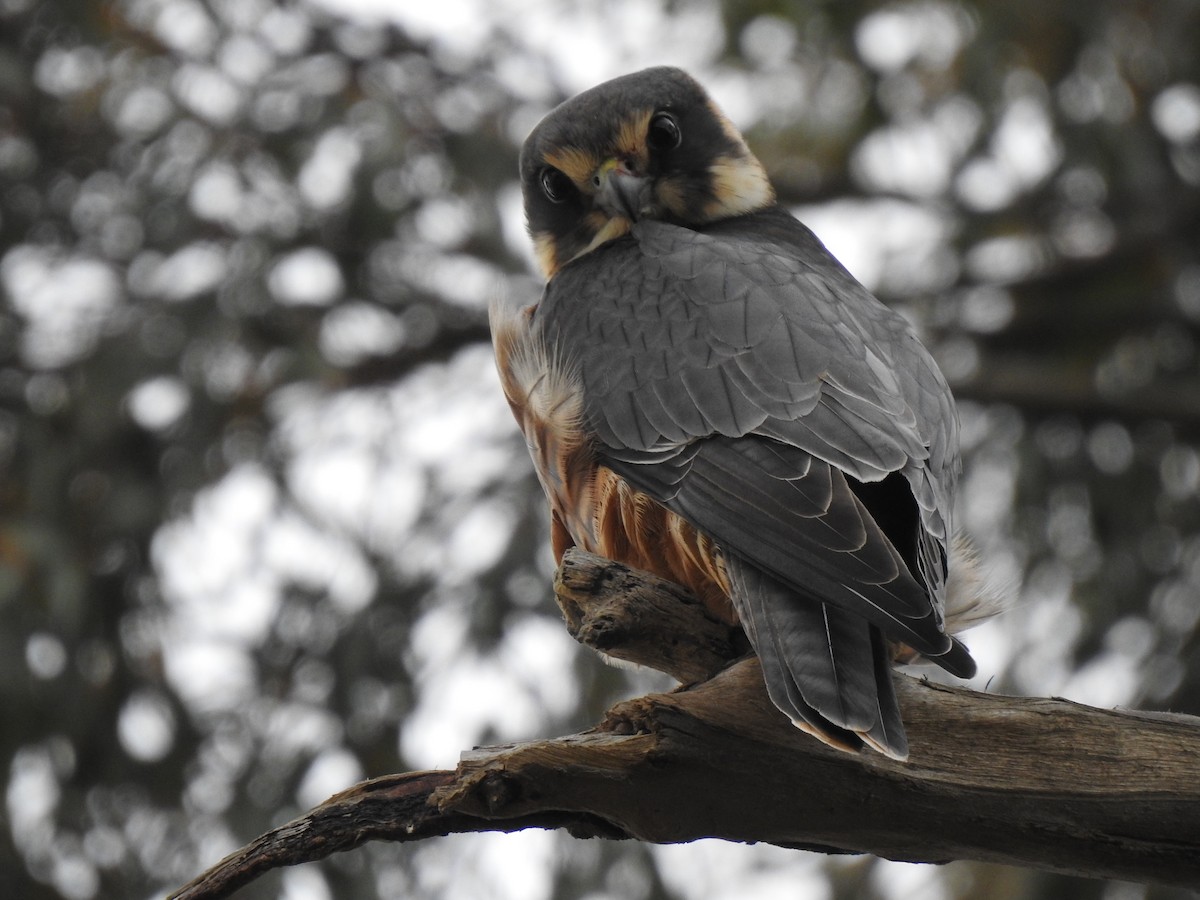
[{"x": 621, "y": 193}]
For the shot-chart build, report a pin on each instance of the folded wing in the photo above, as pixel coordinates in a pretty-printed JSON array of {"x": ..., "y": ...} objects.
[{"x": 743, "y": 379}]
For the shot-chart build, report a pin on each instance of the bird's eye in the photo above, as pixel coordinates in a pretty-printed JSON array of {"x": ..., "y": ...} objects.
[
  {"x": 664, "y": 133},
  {"x": 555, "y": 185}
]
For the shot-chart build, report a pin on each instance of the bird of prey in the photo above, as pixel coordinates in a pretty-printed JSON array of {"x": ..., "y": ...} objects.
[{"x": 710, "y": 396}]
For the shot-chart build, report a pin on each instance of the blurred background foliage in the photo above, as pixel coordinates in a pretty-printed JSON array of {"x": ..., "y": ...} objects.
[{"x": 267, "y": 527}]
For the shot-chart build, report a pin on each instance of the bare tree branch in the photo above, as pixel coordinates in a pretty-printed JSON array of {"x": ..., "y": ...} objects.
[{"x": 1034, "y": 782}]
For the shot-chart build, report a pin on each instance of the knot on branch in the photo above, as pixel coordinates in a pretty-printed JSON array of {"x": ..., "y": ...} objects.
[{"x": 643, "y": 619}]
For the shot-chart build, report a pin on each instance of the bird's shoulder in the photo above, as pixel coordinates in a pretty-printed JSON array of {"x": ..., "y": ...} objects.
[
  {"x": 759, "y": 289},
  {"x": 763, "y": 265}
]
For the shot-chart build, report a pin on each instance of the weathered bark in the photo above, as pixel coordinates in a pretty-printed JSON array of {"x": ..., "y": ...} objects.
[{"x": 1033, "y": 782}]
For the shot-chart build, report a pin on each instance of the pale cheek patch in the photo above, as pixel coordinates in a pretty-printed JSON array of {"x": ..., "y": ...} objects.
[
  {"x": 740, "y": 186},
  {"x": 544, "y": 251},
  {"x": 552, "y": 254},
  {"x": 610, "y": 231}
]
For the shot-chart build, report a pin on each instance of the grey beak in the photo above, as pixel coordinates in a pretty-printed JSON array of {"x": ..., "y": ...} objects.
[{"x": 623, "y": 194}]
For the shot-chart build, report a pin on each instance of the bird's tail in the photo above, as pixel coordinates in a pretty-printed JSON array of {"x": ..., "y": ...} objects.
[{"x": 828, "y": 669}]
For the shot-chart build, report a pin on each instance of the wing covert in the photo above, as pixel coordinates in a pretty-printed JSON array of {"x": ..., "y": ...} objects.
[{"x": 753, "y": 327}]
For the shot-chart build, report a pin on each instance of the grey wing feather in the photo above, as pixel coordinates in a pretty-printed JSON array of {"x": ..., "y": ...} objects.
[
  {"x": 795, "y": 517},
  {"x": 756, "y": 357},
  {"x": 681, "y": 335}
]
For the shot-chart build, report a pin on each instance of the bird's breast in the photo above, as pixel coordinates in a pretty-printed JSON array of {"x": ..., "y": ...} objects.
[{"x": 591, "y": 506}]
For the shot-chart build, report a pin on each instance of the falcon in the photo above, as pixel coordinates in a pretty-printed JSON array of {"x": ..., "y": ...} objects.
[{"x": 708, "y": 395}]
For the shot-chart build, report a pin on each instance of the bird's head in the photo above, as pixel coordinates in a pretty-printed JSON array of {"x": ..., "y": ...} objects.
[{"x": 650, "y": 145}]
